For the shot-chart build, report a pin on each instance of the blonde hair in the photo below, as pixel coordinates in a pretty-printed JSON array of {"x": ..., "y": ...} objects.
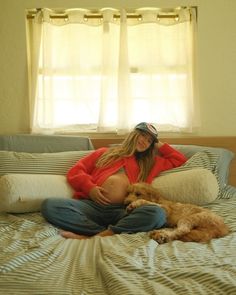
[{"x": 128, "y": 148}]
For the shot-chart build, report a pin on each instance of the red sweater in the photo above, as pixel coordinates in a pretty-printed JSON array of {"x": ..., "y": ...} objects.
[{"x": 84, "y": 175}]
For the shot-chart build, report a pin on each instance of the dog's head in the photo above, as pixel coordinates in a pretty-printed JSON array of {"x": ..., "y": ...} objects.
[{"x": 141, "y": 191}]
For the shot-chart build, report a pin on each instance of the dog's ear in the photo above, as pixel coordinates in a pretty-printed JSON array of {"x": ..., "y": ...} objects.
[
  {"x": 154, "y": 194},
  {"x": 130, "y": 188}
]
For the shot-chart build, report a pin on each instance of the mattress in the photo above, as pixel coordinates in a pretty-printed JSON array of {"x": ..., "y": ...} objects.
[{"x": 35, "y": 259}]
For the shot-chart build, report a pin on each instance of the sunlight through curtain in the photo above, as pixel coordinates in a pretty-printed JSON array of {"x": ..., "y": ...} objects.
[
  {"x": 34, "y": 35},
  {"x": 109, "y": 71}
]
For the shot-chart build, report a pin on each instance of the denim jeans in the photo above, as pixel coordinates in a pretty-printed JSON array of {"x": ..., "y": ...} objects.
[{"x": 87, "y": 217}]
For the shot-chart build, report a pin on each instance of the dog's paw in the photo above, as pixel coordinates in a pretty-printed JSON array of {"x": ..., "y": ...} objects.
[
  {"x": 161, "y": 236},
  {"x": 136, "y": 204},
  {"x": 130, "y": 207}
]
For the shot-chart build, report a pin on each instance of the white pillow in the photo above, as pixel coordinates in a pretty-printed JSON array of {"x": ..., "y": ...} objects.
[
  {"x": 21, "y": 193},
  {"x": 197, "y": 186}
]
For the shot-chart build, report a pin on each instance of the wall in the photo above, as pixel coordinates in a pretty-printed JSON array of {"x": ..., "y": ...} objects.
[{"x": 216, "y": 60}]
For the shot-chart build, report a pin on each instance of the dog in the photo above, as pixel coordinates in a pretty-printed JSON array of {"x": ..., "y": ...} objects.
[{"x": 185, "y": 222}]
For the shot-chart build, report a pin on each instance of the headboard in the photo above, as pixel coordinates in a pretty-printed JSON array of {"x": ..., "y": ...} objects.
[{"x": 44, "y": 143}]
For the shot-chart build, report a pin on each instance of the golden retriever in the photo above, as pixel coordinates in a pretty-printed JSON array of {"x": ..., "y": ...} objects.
[{"x": 185, "y": 222}]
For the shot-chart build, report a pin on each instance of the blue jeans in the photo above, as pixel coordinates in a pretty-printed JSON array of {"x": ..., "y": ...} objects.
[{"x": 87, "y": 217}]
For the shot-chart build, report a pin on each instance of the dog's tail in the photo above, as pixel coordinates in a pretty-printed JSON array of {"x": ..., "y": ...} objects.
[{"x": 204, "y": 235}]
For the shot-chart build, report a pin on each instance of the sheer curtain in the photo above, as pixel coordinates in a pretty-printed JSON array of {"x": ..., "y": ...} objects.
[
  {"x": 34, "y": 30},
  {"x": 108, "y": 71}
]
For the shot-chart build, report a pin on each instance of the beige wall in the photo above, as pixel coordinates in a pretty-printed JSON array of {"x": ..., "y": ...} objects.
[{"x": 216, "y": 60}]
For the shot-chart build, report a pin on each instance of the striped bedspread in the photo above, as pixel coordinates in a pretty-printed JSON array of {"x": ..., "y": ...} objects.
[{"x": 35, "y": 259}]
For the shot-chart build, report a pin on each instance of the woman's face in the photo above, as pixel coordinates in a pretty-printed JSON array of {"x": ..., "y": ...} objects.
[{"x": 143, "y": 142}]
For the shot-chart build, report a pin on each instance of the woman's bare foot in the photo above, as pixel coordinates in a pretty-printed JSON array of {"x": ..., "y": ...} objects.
[
  {"x": 70, "y": 235},
  {"x": 105, "y": 233}
]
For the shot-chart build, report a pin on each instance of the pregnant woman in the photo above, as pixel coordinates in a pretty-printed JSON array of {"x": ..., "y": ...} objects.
[{"x": 100, "y": 181}]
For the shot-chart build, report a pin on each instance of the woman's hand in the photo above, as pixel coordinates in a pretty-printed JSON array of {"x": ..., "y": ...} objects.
[{"x": 97, "y": 194}]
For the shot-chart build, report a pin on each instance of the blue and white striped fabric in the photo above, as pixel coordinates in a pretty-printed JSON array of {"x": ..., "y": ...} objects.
[
  {"x": 39, "y": 163},
  {"x": 208, "y": 160},
  {"x": 59, "y": 163},
  {"x": 35, "y": 259}
]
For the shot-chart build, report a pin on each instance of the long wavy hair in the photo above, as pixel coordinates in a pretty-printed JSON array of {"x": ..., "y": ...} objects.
[{"x": 128, "y": 148}]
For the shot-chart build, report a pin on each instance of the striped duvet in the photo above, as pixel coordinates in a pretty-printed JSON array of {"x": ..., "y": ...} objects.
[{"x": 35, "y": 259}]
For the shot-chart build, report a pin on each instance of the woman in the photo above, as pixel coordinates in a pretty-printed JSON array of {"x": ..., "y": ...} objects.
[{"x": 100, "y": 181}]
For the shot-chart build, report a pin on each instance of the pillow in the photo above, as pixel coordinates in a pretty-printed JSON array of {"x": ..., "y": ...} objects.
[
  {"x": 224, "y": 158},
  {"x": 23, "y": 186},
  {"x": 206, "y": 159},
  {"x": 39, "y": 163},
  {"x": 196, "y": 186},
  {"x": 20, "y": 193}
]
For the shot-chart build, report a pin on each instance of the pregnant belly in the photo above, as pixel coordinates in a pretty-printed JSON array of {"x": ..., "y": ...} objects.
[{"x": 116, "y": 187}]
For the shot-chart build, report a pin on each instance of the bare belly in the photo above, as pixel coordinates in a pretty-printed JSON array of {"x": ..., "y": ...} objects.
[{"x": 116, "y": 187}]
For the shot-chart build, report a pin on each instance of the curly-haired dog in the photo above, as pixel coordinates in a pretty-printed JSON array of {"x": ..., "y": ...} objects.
[{"x": 186, "y": 222}]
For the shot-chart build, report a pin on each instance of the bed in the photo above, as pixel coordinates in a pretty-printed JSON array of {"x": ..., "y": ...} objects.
[{"x": 35, "y": 259}]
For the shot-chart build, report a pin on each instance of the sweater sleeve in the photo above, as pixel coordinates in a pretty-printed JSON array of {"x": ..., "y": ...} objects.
[
  {"x": 169, "y": 158},
  {"x": 79, "y": 176},
  {"x": 173, "y": 158}
]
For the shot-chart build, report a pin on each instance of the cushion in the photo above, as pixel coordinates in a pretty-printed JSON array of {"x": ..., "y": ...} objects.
[
  {"x": 196, "y": 186},
  {"x": 207, "y": 159},
  {"x": 39, "y": 163},
  {"x": 23, "y": 191},
  {"x": 223, "y": 160},
  {"x": 20, "y": 193}
]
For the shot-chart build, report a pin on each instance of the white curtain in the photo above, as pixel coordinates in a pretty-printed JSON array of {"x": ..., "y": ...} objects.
[
  {"x": 34, "y": 30},
  {"x": 107, "y": 74}
]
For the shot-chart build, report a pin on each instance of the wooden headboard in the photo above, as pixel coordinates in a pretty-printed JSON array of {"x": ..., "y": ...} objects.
[{"x": 228, "y": 142}]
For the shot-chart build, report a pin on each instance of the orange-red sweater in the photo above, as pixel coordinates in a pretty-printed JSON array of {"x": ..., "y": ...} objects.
[{"x": 84, "y": 175}]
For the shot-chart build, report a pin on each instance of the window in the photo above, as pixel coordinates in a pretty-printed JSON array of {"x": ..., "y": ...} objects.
[{"x": 109, "y": 70}]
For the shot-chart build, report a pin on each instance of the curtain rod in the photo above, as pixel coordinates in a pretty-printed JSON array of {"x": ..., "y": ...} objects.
[{"x": 99, "y": 16}]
